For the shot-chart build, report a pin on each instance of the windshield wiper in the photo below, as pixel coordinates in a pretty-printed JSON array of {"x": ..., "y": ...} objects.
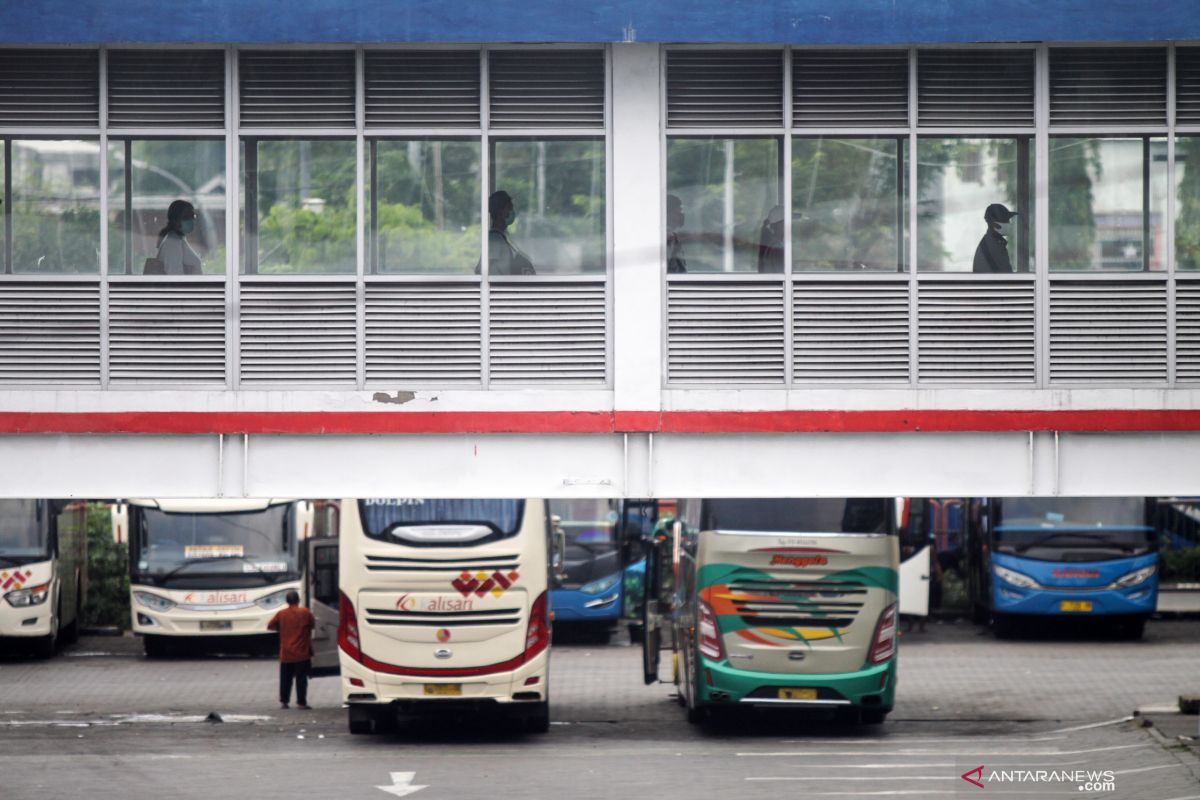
[
  {"x": 11, "y": 561},
  {"x": 207, "y": 559}
]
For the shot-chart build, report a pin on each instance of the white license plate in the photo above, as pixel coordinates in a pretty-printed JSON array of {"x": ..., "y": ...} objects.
[{"x": 216, "y": 625}]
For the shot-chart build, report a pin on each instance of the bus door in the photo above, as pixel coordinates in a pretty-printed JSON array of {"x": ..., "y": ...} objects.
[
  {"x": 661, "y": 566},
  {"x": 322, "y": 587},
  {"x": 914, "y": 556}
]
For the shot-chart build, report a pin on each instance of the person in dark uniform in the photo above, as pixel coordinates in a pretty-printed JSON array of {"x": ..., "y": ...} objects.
[
  {"x": 992, "y": 253},
  {"x": 676, "y": 263}
]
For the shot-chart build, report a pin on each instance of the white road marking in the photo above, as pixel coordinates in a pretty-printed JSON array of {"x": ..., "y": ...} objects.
[
  {"x": 952, "y": 765},
  {"x": 956, "y": 739},
  {"x": 909, "y": 753},
  {"x": 866, "y": 778},
  {"x": 402, "y": 784},
  {"x": 1104, "y": 724},
  {"x": 1150, "y": 769}
]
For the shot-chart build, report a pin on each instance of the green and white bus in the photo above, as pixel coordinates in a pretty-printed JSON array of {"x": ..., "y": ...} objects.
[{"x": 782, "y": 603}]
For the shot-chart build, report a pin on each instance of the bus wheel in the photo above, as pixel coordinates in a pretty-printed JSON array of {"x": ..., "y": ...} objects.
[
  {"x": 71, "y": 634},
  {"x": 873, "y": 716},
  {"x": 45, "y": 646},
  {"x": 362, "y": 720},
  {"x": 1003, "y": 626},
  {"x": 1132, "y": 630},
  {"x": 979, "y": 614},
  {"x": 156, "y": 646},
  {"x": 537, "y": 720}
]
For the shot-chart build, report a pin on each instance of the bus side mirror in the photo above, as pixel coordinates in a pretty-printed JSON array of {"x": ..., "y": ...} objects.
[{"x": 558, "y": 558}]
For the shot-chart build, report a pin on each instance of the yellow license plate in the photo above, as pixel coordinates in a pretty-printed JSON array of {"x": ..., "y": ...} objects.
[
  {"x": 1075, "y": 605},
  {"x": 443, "y": 690},
  {"x": 797, "y": 694},
  {"x": 216, "y": 625}
]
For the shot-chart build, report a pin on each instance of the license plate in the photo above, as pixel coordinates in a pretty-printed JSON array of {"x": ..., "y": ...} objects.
[
  {"x": 216, "y": 625},
  {"x": 443, "y": 690},
  {"x": 1075, "y": 605},
  {"x": 797, "y": 694}
]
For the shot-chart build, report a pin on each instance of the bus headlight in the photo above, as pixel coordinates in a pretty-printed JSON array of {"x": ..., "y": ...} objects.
[
  {"x": 1015, "y": 578},
  {"x": 273, "y": 601},
  {"x": 33, "y": 596},
  {"x": 601, "y": 586},
  {"x": 1134, "y": 578},
  {"x": 153, "y": 601}
]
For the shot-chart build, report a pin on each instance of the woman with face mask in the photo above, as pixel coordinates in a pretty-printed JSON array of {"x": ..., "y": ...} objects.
[
  {"x": 992, "y": 253},
  {"x": 176, "y": 255},
  {"x": 504, "y": 257}
]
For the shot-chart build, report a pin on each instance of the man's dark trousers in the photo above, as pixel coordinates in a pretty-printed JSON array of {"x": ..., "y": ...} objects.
[{"x": 298, "y": 671}]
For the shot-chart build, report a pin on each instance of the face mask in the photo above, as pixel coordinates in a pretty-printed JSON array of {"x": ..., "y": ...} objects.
[
  {"x": 1003, "y": 228},
  {"x": 187, "y": 226},
  {"x": 510, "y": 218}
]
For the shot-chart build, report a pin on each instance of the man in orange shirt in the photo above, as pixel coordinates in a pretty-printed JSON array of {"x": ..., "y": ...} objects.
[{"x": 295, "y": 625}]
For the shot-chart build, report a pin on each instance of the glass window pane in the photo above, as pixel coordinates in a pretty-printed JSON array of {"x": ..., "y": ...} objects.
[
  {"x": 1098, "y": 211},
  {"x": 957, "y": 181},
  {"x": 164, "y": 172},
  {"x": 428, "y": 209},
  {"x": 1187, "y": 203},
  {"x": 847, "y": 206},
  {"x": 726, "y": 189},
  {"x": 305, "y": 207},
  {"x": 56, "y": 206},
  {"x": 557, "y": 188}
]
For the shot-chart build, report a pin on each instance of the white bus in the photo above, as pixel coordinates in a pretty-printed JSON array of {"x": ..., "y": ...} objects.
[
  {"x": 212, "y": 568},
  {"x": 43, "y": 571},
  {"x": 444, "y": 606}
]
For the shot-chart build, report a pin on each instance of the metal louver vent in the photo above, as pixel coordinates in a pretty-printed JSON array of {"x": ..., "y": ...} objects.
[
  {"x": 166, "y": 332},
  {"x": 49, "y": 333},
  {"x": 433, "y": 88},
  {"x": 851, "y": 88},
  {"x": 850, "y": 331},
  {"x": 1108, "y": 85},
  {"x": 1187, "y": 85},
  {"x": 282, "y": 88},
  {"x": 295, "y": 332},
  {"x": 49, "y": 87},
  {"x": 1108, "y": 331},
  {"x": 547, "y": 332},
  {"x": 1187, "y": 331},
  {"x": 546, "y": 88},
  {"x": 720, "y": 332},
  {"x": 722, "y": 88},
  {"x": 423, "y": 333},
  {"x": 975, "y": 88},
  {"x": 166, "y": 88},
  {"x": 976, "y": 331}
]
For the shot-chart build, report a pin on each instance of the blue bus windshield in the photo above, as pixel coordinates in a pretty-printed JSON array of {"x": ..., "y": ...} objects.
[{"x": 1072, "y": 529}]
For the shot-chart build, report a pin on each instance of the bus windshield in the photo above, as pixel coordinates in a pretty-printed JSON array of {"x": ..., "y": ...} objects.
[
  {"x": 421, "y": 522},
  {"x": 590, "y": 524},
  {"x": 187, "y": 546},
  {"x": 22, "y": 535},
  {"x": 799, "y": 515},
  {"x": 1073, "y": 528}
]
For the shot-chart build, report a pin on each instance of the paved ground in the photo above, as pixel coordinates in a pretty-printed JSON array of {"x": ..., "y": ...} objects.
[{"x": 101, "y": 721}]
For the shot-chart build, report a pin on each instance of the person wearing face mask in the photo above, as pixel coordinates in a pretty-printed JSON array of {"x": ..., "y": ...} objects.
[
  {"x": 504, "y": 257},
  {"x": 174, "y": 253},
  {"x": 992, "y": 253}
]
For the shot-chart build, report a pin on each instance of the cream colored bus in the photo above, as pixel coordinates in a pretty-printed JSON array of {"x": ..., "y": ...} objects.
[
  {"x": 212, "y": 568},
  {"x": 444, "y": 607}
]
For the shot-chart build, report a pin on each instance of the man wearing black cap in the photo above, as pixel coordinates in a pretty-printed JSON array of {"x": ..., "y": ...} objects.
[{"x": 992, "y": 253}]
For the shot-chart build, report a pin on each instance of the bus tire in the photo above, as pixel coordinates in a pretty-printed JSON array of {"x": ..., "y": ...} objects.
[
  {"x": 697, "y": 715},
  {"x": 71, "y": 632},
  {"x": 45, "y": 646},
  {"x": 537, "y": 719},
  {"x": 1004, "y": 626},
  {"x": 873, "y": 716},
  {"x": 979, "y": 614},
  {"x": 361, "y": 720},
  {"x": 156, "y": 646},
  {"x": 1133, "y": 630}
]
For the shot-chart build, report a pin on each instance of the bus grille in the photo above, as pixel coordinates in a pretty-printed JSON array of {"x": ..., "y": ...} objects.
[
  {"x": 441, "y": 565},
  {"x": 443, "y": 619},
  {"x": 833, "y": 604}
]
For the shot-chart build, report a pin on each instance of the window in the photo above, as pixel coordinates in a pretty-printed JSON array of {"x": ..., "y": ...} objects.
[
  {"x": 1187, "y": 203},
  {"x": 848, "y": 206},
  {"x": 146, "y": 178},
  {"x": 957, "y": 180},
  {"x": 558, "y": 189},
  {"x": 299, "y": 211},
  {"x": 728, "y": 189},
  {"x": 1107, "y": 203},
  {"x": 55, "y": 206},
  {"x": 425, "y": 206}
]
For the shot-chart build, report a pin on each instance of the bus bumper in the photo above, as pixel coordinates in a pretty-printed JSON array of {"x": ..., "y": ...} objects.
[
  {"x": 1135, "y": 600},
  {"x": 528, "y": 683},
  {"x": 873, "y": 687},
  {"x": 176, "y": 622},
  {"x": 25, "y": 622},
  {"x": 572, "y": 605}
]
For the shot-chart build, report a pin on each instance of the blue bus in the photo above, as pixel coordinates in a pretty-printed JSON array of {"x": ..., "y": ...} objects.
[
  {"x": 1043, "y": 557},
  {"x": 589, "y": 588}
]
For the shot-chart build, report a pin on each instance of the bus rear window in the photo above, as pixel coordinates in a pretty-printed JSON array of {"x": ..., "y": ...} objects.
[
  {"x": 420, "y": 522},
  {"x": 799, "y": 515}
]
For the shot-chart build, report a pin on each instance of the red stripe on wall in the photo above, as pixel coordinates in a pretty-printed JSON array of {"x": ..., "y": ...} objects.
[{"x": 470, "y": 422}]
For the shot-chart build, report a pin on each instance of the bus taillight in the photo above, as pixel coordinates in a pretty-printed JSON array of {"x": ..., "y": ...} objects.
[
  {"x": 883, "y": 646},
  {"x": 537, "y": 638},
  {"x": 348, "y": 628},
  {"x": 711, "y": 645}
]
